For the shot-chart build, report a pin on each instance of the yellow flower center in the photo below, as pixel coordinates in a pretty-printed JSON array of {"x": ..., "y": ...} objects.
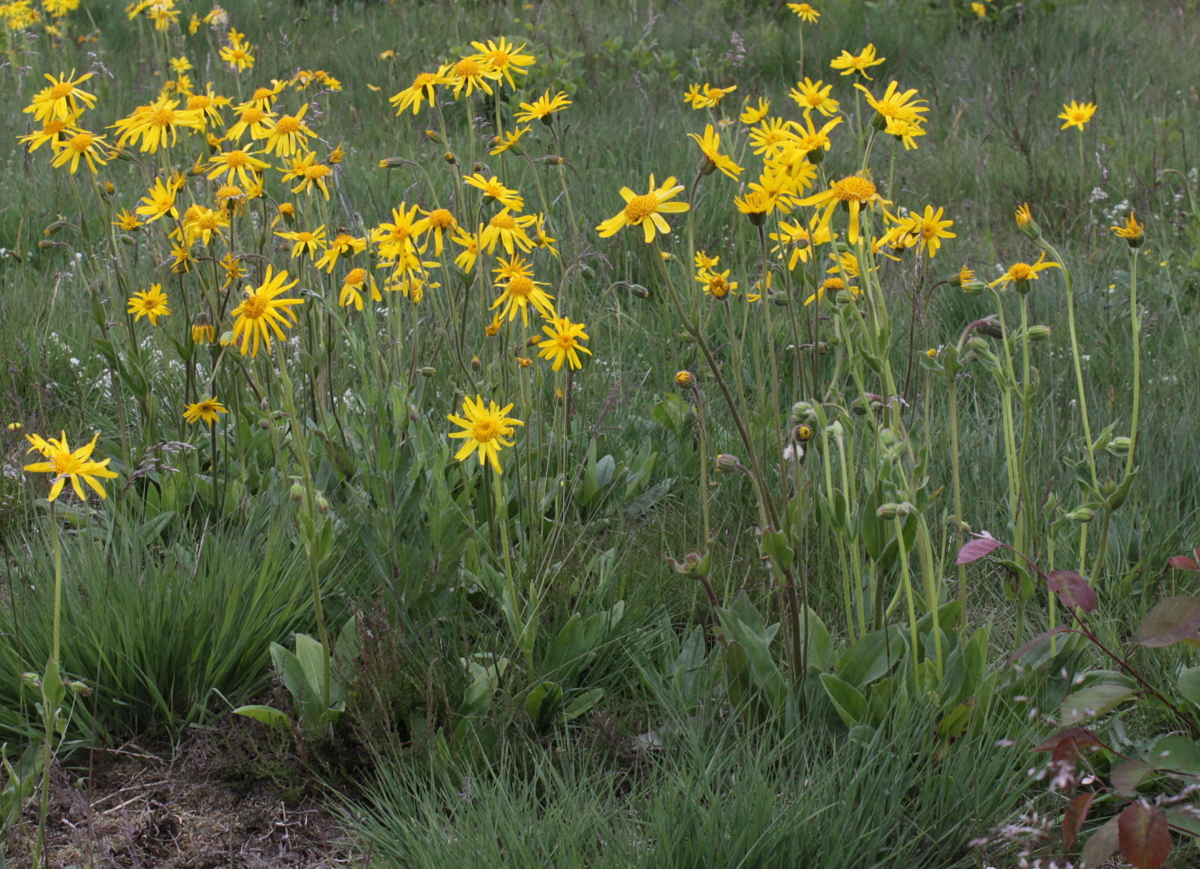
[
  {"x": 255, "y": 306},
  {"x": 61, "y": 91},
  {"x": 64, "y": 463},
  {"x": 498, "y": 58},
  {"x": 236, "y": 159},
  {"x": 928, "y": 229},
  {"x": 228, "y": 191},
  {"x": 253, "y": 115},
  {"x": 640, "y": 207},
  {"x": 833, "y": 284},
  {"x": 1021, "y": 272},
  {"x": 262, "y": 94},
  {"x": 304, "y": 238},
  {"x": 467, "y": 68},
  {"x": 441, "y": 218},
  {"x": 316, "y": 171},
  {"x": 486, "y": 429},
  {"x": 162, "y": 117},
  {"x": 199, "y": 101},
  {"x": 718, "y": 287},
  {"x": 53, "y": 128},
  {"x": 207, "y": 222},
  {"x": 565, "y": 340},
  {"x": 424, "y": 80},
  {"x": 854, "y": 188},
  {"x": 287, "y": 125},
  {"x": 503, "y": 221},
  {"x": 341, "y": 243},
  {"x": 356, "y": 276},
  {"x": 81, "y": 142},
  {"x": 400, "y": 234},
  {"x": 520, "y": 286}
]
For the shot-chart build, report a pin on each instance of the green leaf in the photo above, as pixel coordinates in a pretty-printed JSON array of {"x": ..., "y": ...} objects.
[
  {"x": 1102, "y": 845},
  {"x": 583, "y": 703},
  {"x": 1128, "y": 776},
  {"x": 1189, "y": 684},
  {"x": 849, "y": 702},
  {"x": 1092, "y": 701},
  {"x": 544, "y": 703},
  {"x": 1177, "y": 753},
  {"x": 266, "y": 714},
  {"x": 565, "y": 649},
  {"x": 871, "y": 657},
  {"x": 775, "y": 544}
]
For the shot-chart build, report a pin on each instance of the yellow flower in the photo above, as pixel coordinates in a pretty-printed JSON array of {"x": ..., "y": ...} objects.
[
  {"x": 508, "y": 230},
  {"x": 253, "y": 119},
  {"x": 469, "y": 242},
  {"x": 852, "y": 63},
  {"x": 855, "y": 192},
  {"x": 812, "y": 96},
  {"x": 805, "y": 11},
  {"x": 261, "y": 313},
  {"x": 710, "y": 146},
  {"x": 896, "y": 105},
  {"x": 53, "y": 132},
  {"x": 201, "y": 223},
  {"x": 716, "y": 284},
  {"x": 238, "y": 56},
  {"x": 485, "y": 429},
  {"x": 179, "y": 65},
  {"x": 520, "y": 291},
  {"x": 471, "y": 73},
  {"x": 771, "y": 136},
  {"x": 800, "y": 240},
  {"x": 61, "y": 99},
  {"x": 756, "y": 205},
  {"x": 83, "y": 145},
  {"x": 126, "y": 222},
  {"x": 422, "y": 90},
  {"x": 562, "y": 344},
  {"x": 505, "y": 58},
  {"x": 343, "y": 244},
  {"x": 237, "y": 165},
  {"x": 310, "y": 173},
  {"x": 352, "y": 289},
  {"x": 207, "y": 409},
  {"x": 440, "y": 222},
  {"x": 543, "y": 108},
  {"x": 979, "y": 9},
  {"x": 754, "y": 114},
  {"x": 510, "y": 141},
  {"x": 289, "y": 134},
  {"x": 398, "y": 238},
  {"x": 1020, "y": 274},
  {"x": 1133, "y": 232},
  {"x": 811, "y": 139},
  {"x": 305, "y": 242},
  {"x": 493, "y": 189},
  {"x": 706, "y": 96},
  {"x": 704, "y": 261},
  {"x": 68, "y": 465},
  {"x": 157, "y": 125},
  {"x": 1077, "y": 114},
  {"x": 832, "y": 285},
  {"x": 906, "y": 131},
  {"x": 151, "y": 303},
  {"x": 928, "y": 229},
  {"x": 646, "y": 210}
]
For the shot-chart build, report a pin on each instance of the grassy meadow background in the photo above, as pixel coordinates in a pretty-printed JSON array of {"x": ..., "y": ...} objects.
[{"x": 170, "y": 607}]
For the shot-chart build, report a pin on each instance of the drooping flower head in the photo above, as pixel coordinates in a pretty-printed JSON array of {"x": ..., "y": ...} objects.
[{"x": 851, "y": 63}]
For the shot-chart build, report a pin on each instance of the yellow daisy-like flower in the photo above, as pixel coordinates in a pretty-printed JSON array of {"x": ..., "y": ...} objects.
[
  {"x": 896, "y": 104},
  {"x": 1020, "y": 274},
  {"x": 855, "y": 192},
  {"x": 810, "y": 139},
  {"x": 262, "y": 313},
  {"x": 705, "y": 96},
  {"x": 510, "y": 141},
  {"x": 704, "y": 261},
  {"x": 831, "y": 285},
  {"x": 716, "y": 284},
  {"x": 310, "y": 172},
  {"x": 238, "y": 56},
  {"x": 1077, "y": 114},
  {"x": 469, "y": 242},
  {"x": 505, "y": 58},
  {"x": 343, "y": 244},
  {"x": 309, "y": 243},
  {"x": 352, "y": 289},
  {"x": 520, "y": 291},
  {"x": 151, "y": 303},
  {"x": 289, "y": 134},
  {"x": 201, "y": 224},
  {"x": 928, "y": 229},
  {"x": 126, "y": 221},
  {"x": 543, "y": 108},
  {"x": 710, "y": 146},
  {"x": 470, "y": 73},
  {"x": 797, "y": 241},
  {"x": 753, "y": 114},
  {"x": 253, "y": 119},
  {"x": 1133, "y": 232},
  {"x": 486, "y": 429},
  {"x": 980, "y": 10},
  {"x": 53, "y": 132},
  {"x": 68, "y": 465},
  {"x": 493, "y": 189},
  {"x": 1023, "y": 215},
  {"x": 509, "y": 230},
  {"x": 562, "y": 343},
  {"x": 851, "y": 63},
  {"x": 238, "y": 166},
  {"x": 61, "y": 99},
  {"x": 440, "y": 222},
  {"x": 771, "y": 136},
  {"x": 814, "y": 96},
  {"x": 646, "y": 210},
  {"x": 805, "y": 11},
  {"x": 81, "y": 145},
  {"x": 207, "y": 409},
  {"x": 422, "y": 90}
]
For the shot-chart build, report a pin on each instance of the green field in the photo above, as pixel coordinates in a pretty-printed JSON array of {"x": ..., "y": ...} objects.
[{"x": 555, "y": 428}]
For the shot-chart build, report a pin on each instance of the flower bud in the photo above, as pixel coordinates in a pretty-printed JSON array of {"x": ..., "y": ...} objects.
[
  {"x": 1082, "y": 515},
  {"x": 888, "y": 511},
  {"x": 80, "y": 688},
  {"x": 974, "y": 288},
  {"x": 802, "y": 432},
  {"x": 296, "y": 492},
  {"x": 31, "y": 680},
  {"x": 450, "y": 158},
  {"x": 434, "y": 136},
  {"x": 639, "y": 291},
  {"x": 1119, "y": 446},
  {"x": 816, "y": 157},
  {"x": 726, "y": 463},
  {"x": 428, "y": 372},
  {"x": 803, "y": 413},
  {"x": 1039, "y": 333},
  {"x": 322, "y": 504},
  {"x": 1026, "y": 224},
  {"x": 476, "y": 365},
  {"x": 391, "y": 163},
  {"x": 685, "y": 380}
]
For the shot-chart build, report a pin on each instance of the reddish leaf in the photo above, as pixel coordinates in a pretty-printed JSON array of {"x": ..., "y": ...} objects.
[
  {"x": 1073, "y": 590},
  {"x": 1129, "y": 775},
  {"x": 1169, "y": 622},
  {"x": 973, "y": 550},
  {"x": 1143, "y": 835},
  {"x": 1100, "y": 846},
  {"x": 1076, "y": 814},
  {"x": 1183, "y": 562},
  {"x": 1037, "y": 641},
  {"x": 1081, "y": 736}
]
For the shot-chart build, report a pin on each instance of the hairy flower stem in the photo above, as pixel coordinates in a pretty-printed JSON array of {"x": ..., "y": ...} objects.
[
  {"x": 52, "y": 692},
  {"x": 1135, "y": 324}
]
